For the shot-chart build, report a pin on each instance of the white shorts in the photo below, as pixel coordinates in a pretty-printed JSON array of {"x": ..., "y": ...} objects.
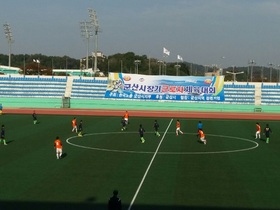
[{"x": 59, "y": 150}]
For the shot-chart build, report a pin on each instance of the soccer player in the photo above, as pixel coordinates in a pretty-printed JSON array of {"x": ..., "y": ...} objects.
[
  {"x": 258, "y": 131},
  {"x": 125, "y": 117},
  {"x": 199, "y": 126},
  {"x": 141, "y": 133},
  {"x": 266, "y": 132},
  {"x": 80, "y": 129},
  {"x": 34, "y": 115},
  {"x": 123, "y": 123},
  {"x": 58, "y": 147},
  {"x": 178, "y": 128},
  {"x": 115, "y": 202},
  {"x": 156, "y": 126},
  {"x": 74, "y": 125},
  {"x": 202, "y": 136},
  {"x": 2, "y": 138}
]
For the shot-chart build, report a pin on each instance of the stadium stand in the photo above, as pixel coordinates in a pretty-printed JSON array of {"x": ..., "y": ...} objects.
[
  {"x": 239, "y": 93},
  {"x": 32, "y": 86},
  {"x": 20, "y": 86},
  {"x": 88, "y": 88},
  {"x": 270, "y": 94}
]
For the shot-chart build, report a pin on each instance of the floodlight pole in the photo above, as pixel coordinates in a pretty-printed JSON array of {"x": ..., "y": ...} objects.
[
  {"x": 9, "y": 36},
  {"x": 136, "y": 62},
  {"x": 234, "y": 74},
  {"x": 270, "y": 74},
  {"x": 252, "y": 63},
  {"x": 94, "y": 23},
  {"x": 86, "y": 32},
  {"x": 160, "y": 63},
  {"x": 262, "y": 73},
  {"x": 177, "y": 66},
  {"x": 278, "y": 73}
]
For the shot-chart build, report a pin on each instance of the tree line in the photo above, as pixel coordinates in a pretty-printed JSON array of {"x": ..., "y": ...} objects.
[{"x": 125, "y": 63}]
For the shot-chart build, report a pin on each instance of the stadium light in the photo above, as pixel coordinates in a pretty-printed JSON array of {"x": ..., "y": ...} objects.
[
  {"x": 234, "y": 73},
  {"x": 278, "y": 73},
  {"x": 160, "y": 64},
  {"x": 95, "y": 25},
  {"x": 86, "y": 32},
  {"x": 38, "y": 65},
  {"x": 270, "y": 74},
  {"x": 9, "y": 36},
  {"x": 252, "y": 63},
  {"x": 221, "y": 70},
  {"x": 177, "y": 67},
  {"x": 136, "y": 62}
]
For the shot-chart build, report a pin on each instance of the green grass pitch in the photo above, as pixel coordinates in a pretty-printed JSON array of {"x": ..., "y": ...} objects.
[{"x": 233, "y": 171}]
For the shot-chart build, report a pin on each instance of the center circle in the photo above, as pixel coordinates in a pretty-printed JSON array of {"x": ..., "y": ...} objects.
[{"x": 255, "y": 145}]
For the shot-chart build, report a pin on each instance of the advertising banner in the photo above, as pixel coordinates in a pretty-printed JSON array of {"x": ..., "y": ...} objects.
[{"x": 163, "y": 87}]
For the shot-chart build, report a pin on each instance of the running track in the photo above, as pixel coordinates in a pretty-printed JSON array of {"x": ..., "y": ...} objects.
[{"x": 145, "y": 113}]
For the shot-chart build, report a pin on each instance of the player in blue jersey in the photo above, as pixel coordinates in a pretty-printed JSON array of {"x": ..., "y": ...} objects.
[{"x": 199, "y": 126}]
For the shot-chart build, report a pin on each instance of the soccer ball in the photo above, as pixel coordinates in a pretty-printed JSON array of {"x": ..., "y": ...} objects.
[{"x": 122, "y": 129}]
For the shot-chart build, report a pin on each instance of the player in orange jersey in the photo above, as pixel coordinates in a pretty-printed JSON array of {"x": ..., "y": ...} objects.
[
  {"x": 202, "y": 136},
  {"x": 74, "y": 125},
  {"x": 125, "y": 117},
  {"x": 258, "y": 131},
  {"x": 58, "y": 147},
  {"x": 178, "y": 128}
]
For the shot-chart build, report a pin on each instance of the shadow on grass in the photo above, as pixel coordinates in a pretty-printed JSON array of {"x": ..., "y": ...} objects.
[
  {"x": 90, "y": 205},
  {"x": 9, "y": 142},
  {"x": 63, "y": 155}
]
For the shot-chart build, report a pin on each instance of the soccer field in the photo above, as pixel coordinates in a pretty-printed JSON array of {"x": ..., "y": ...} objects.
[{"x": 233, "y": 171}]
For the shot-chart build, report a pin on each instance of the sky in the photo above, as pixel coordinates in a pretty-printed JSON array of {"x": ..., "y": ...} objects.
[{"x": 207, "y": 32}]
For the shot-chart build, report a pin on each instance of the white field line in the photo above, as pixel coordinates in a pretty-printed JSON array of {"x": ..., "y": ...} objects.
[{"x": 149, "y": 166}]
